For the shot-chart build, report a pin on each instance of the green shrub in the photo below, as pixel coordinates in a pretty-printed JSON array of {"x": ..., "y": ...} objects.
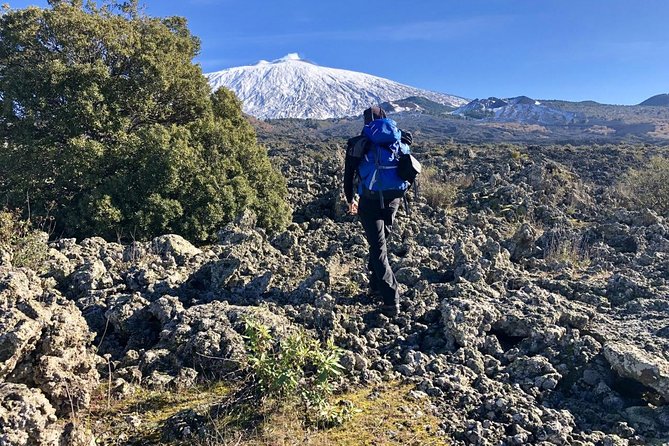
[
  {"x": 25, "y": 246},
  {"x": 103, "y": 113},
  {"x": 648, "y": 186},
  {"x": 438, "y": 192},
  {"x": 296, "y": 368}
]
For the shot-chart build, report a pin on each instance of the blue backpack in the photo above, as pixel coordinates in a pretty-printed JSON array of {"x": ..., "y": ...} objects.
[{"x": 379, "y": 167}]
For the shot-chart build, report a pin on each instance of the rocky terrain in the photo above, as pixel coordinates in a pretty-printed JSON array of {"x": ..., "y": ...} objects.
[{"x": 535, "y": 309}]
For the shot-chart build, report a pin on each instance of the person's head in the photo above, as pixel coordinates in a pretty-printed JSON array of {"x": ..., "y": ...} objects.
[{"x": 373, "y": 113}]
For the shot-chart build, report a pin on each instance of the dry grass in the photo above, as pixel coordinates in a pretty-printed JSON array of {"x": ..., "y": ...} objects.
[
  {"x": 600, "y": 130},
  {"x": 520, "y": 127},
  {"x": 138, "y": 419},
  {"x": 437, "y": 190},
  {"x": 647, "y": 187},
  {"x": 384, "y": 415},
  {"x": 565, "y": 250}
]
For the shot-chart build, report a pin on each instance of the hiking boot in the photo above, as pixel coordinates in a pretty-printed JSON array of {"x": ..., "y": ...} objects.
[
  {"x": 374, "y": 293},
  {"x": 391, "y": 310}
]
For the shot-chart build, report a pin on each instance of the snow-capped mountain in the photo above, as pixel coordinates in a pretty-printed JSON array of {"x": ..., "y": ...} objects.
[
  {"x": 294, "y": 88},
  {"x": 519, "y": 109}
]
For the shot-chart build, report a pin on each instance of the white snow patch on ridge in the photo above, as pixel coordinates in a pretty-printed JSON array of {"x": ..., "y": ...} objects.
[{"x": 291, "y": 87}]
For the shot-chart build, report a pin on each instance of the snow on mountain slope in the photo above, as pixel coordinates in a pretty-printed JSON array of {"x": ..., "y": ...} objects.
[
  {"x": 294, "y": 88},
  {"x": 520, "y": 109}
]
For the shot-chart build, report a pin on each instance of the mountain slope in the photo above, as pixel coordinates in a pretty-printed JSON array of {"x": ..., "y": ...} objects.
[
  {"x": 416, "y": 104},
  {"x": 294, "y": 88},
  {"x": 520, "y": 109},
  {"x": 661, "y": 100}
]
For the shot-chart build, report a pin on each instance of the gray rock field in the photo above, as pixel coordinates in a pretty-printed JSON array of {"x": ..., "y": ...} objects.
[{"x": 535, "y": 309}]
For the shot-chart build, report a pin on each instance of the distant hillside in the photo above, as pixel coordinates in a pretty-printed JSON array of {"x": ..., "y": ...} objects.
[
  {"x": 661, "y": 100},
  {"x": 416, "y": 104},
  {"x": 521, "y": 109},
  {"x": 603, "y": 124}
]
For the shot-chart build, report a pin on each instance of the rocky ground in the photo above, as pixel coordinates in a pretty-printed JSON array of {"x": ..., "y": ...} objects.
[{"x": 535, "y": 309}]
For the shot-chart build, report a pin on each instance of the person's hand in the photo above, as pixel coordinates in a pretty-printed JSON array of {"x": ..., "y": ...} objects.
[
  {"x": 407, "y": 137},
  {"x": 353, "y": 208}
]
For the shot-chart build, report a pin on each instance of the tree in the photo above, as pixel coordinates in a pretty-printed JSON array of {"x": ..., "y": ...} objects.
[{"x": 107, "y": 123}]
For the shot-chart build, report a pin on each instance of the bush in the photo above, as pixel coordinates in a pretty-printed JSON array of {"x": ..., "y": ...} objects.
[
  {"x": 296, "y": 368},
  {"x": 103, "y": 113},
  {"x": 648, "y": 186},
  {"x": 438, "y": 192},
  {"x": 23, "y": 246}
]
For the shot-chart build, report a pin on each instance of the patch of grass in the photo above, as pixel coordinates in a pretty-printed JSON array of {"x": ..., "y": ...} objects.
[
  {"x": 437, "y": 190},
  {"x": 647, "y": 187},
  {"x": 568, "y": 250},
  {"x": 385, "y": 416},
  {"x": 516, "y": 154},
  {"x": 138, "y": 418}
]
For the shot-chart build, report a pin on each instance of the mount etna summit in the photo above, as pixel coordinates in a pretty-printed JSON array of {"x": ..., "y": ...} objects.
[{"x": 291, "y": 87}]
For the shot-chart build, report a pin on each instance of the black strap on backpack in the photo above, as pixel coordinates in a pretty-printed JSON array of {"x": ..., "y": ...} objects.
[{"x": 413, "y": 184}]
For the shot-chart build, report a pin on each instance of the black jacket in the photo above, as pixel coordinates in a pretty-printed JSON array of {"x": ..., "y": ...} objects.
[{"x": 352, "y": 163}]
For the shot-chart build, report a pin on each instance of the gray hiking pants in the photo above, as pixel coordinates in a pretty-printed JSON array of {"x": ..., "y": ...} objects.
[{"x": 377, "y": 224}]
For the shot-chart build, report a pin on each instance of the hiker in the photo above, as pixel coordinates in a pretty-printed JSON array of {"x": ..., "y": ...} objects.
[{"x": 380, "y": 192}]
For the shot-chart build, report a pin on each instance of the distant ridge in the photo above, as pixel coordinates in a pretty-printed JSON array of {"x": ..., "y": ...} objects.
[
  {"x": 291, "y": 87},
  {"x": 416, "y": 104},
  {"x": 519, "y": 109},
  {"x": 661, "y": 100}
]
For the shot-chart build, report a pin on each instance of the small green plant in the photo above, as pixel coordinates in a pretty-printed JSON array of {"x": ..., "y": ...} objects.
[
  {"x": 296, "y": 368},
  {"x": 438, "y": 192},
  {"x": 25, "y": 246},
  {"x": 648, "y": 186},
  {"x": 516, "y": 153}
]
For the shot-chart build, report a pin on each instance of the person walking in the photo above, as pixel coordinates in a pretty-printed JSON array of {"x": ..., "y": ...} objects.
[{"x": 373, "y": 158}]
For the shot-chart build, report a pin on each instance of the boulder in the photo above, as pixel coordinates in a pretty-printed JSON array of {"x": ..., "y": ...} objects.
[
  {"x": 45, "y": 342},
  {"x": 629, "y": 361},
  {"x": 172, "y": 245},
  {"x": 26, "y": 417}
]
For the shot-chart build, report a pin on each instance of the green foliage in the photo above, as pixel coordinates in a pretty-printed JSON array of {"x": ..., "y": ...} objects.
[
  {"x": 648, "y": 186},
  {"x": 296, "y": 367},
  {"x": 103, "y": 113},
  {"x": 516, "y": 153},
  {"x": 25, "y": 246}
]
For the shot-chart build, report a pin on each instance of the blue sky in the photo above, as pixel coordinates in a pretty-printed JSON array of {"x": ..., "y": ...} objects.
[{"x": 611, "y": 51}]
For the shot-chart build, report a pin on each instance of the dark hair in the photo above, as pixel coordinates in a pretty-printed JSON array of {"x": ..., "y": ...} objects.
[{"x": 373, "y": 113}]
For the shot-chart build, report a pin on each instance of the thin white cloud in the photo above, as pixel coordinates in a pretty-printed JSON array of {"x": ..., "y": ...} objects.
[
  {"x": 609, "y": 51},
  {"x": 208, "y": 2},
  {"x": 427, "y": 31}
]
